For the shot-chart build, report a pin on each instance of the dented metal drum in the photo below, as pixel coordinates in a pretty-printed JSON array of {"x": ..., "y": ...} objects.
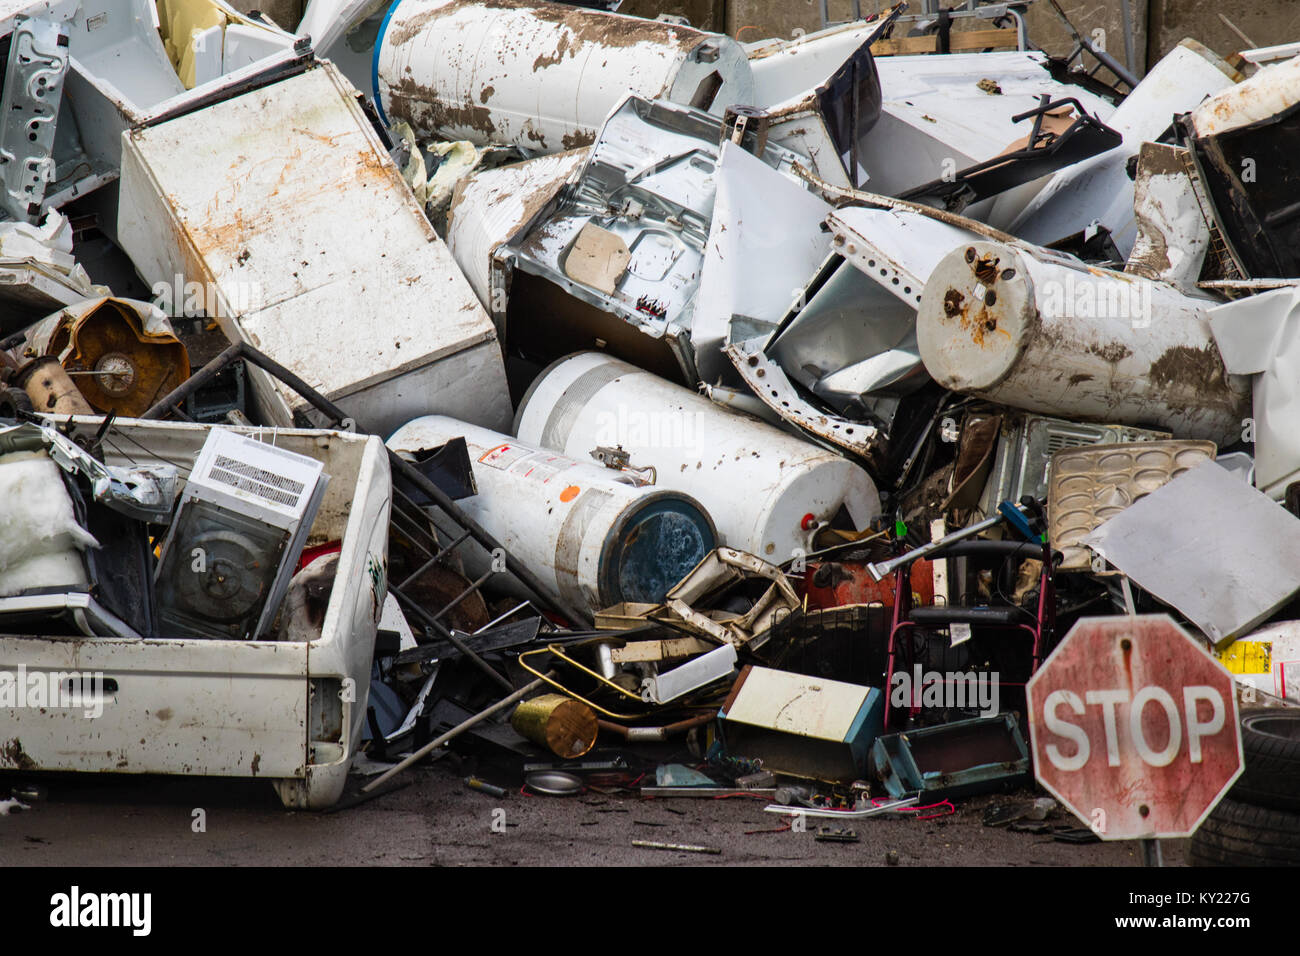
[
  {"x": 541, "y": 75},
  {"x": 595, "y": 536},
  {"x": 1042, "y": 331},
  {"x": 766, "y": 490}
]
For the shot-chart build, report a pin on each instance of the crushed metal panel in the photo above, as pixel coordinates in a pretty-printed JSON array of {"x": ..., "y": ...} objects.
[
  {"x": 318, "y": 252},
  {"x": 38, "y": 272},
  {"x": 768, "y": 381},
  {"x": 1172, "y": 234},
  {"x": 539, "y": 75},
  {"x": 1041, "y": 331},
  {"x": 1099, "y": 189},
  {"x": 491, "y": 207},
  {"x": 898, "y": 248},
  {"x": 822, "y": 97},
  {"x": 764, "y": 242},
  {"x": 1260, "y": 336},
  {"x": 1224, "y": 584},
  {"x": 937, "y": 118},
  {"x": 650, "y": 179},
  {"x": 850, "y": 343}
]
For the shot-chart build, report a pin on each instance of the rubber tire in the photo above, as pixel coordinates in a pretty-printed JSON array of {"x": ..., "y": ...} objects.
[
  {"x": 1241, "y": 834},
  {"x": 1270, "y": 741}
]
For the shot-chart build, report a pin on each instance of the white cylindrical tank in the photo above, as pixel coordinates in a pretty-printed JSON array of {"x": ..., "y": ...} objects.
[
  {"x": 1044, "y": 332},
  {"x": 541, "y": 75},
  {"x": 765, "y": 489},
  {"x": 591, "y": 533}
]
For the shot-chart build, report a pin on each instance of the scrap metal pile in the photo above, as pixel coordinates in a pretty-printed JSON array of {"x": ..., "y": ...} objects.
[{"x": 622, "y": 405}]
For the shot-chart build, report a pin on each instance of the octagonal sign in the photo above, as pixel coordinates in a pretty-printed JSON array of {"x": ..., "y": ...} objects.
[{"x": 1134, "y": 727}]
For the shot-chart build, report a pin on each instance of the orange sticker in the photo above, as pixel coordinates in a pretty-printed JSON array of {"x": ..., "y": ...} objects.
[{"x": 569, "y": 493}]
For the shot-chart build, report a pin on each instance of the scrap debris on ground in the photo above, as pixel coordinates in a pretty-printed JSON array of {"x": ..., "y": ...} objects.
[{"x": 639, "y": 414}]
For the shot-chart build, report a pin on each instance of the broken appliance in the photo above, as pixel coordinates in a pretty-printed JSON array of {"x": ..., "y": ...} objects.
[
  {"x": 290, "y": 712},
  {"x": 555, "y": 73},
  {"x": 239, "y": 529},
  {"x": 1041, "y": 331},
  {"x": 615, "y": 262},
  {"x": 1243, "y": 141},
  {"x": 298, "y": 218}
]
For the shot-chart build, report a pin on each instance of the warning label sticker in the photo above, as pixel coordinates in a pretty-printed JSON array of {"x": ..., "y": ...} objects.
[{"x": 536, "y": 465}]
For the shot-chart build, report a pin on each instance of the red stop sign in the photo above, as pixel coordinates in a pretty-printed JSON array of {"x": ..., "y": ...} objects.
[{"x": 1134, "y": 727}]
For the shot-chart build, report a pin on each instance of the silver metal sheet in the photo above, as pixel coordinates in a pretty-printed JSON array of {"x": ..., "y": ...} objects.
[{"x": 1219, "y": 551}]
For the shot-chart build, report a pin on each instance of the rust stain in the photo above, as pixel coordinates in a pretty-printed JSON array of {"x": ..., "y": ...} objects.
[
  {"x": 420, "y": 106},
  {"x": 1183, "y": 365},
  {"x": 12, "y": 755},
  {"x": 578, "y": 139},
  {"x": 554, "y": 59},
  {"x": 587, "y": 26},
  {"x": 1114, "y": 352}
]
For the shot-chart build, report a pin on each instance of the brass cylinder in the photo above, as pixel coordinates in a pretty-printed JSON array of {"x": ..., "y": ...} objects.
[
  {"x": 566, "y": 727},
  {"x": 50, "y": 388}
]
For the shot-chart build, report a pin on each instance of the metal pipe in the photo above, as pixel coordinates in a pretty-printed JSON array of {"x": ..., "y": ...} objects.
[
  {"x": 880, "y": 571},
  {"x": 640, "y": 734},
  {"x": 456, "y": 731}
]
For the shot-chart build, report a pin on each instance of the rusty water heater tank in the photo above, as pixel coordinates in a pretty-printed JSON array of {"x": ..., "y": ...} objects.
[
  {"x": 1042, "y": 331},
  {"x": 539, "y": 75}
]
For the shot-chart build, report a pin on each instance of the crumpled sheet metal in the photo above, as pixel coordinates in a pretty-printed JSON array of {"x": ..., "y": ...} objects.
[
  {"x": 1172, "y": 234},
  {"x": 765, "y": 240},
  {"x": 130, "y": 345},
  {"x": 628, "y": 237},
  {"x": 38, "y": 272},
  {"x": 896, "y": 247},
  {"x": 770, "y": 383}
]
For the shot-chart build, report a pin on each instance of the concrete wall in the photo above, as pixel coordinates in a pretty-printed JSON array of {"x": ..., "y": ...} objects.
[
  {"x": 1266, "y": 22},
  {"x": 1158, "y": 25}
]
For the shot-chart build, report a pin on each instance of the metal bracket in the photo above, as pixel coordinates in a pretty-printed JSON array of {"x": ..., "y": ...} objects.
[{"x": 33, "y": 90}]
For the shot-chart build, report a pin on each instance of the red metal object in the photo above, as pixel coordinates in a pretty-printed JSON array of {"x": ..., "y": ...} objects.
[
  {"x": 311, "y": 554},
  {"x": 847, "y": 582},
  {"x": 1134, "y": 727}
]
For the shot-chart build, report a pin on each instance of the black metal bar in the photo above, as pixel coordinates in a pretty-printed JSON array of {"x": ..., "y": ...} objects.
[
  {"x": 460, "y": 645},
  {"x": 442, "y": 553}
]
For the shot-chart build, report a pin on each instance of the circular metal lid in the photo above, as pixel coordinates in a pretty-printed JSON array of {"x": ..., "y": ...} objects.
[
  {"x": 975, "y": 316},
  {"x": 553, "y": 783}
]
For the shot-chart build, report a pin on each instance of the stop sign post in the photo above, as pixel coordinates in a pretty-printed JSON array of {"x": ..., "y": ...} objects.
[{"x": 1134, "y": 727}]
